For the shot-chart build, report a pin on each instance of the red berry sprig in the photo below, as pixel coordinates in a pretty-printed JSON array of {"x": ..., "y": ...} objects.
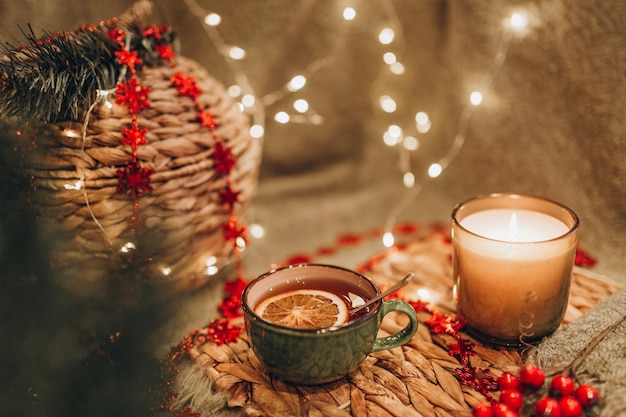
[{"x": 531, "y": 393}]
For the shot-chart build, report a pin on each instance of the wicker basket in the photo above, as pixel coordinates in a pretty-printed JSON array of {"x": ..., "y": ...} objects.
[{"x": 89, "y": 227}]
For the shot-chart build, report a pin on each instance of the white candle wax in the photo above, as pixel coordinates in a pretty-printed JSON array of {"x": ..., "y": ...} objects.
[
  {"x": 513, "y": 271},
  {"x": 529, "y": 226}
]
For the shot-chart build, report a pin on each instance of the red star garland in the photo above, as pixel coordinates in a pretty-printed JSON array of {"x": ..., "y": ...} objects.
[
  {"x": 165, "y": 52},
  {"x": 186, "y": 85},
  {"x": 128, "y": 58},
  {"x": 133, "y": 96},
  {"x": 229, "y": 197},
  {"x": 207, "y": 120},
  {"x": 223, "y": 157},
  {"x": 134, "y": 180},
  {"x": 134, "y": 136}
]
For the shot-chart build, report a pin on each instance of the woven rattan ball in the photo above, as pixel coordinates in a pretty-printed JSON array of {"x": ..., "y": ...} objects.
[{"x": 70, "y": 173}]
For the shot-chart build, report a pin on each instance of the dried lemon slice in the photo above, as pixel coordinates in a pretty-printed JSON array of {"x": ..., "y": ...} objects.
[{"x": 304, "y": 309}]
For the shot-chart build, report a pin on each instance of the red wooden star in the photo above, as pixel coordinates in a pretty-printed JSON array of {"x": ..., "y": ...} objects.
[
  {"x": 128, "y": 58},
  {"x": 134, "y": 180},
  {"x": 419, "y": 305},
  {"x": 462, "y": 349},
  {"x": 165, "y": 52},
  {"x": 233, "y": 230},
  {"x": 186, "y": 85},
  {"x": 482, "y": 380},
  {"x": 445, "y": 323},
  {"x": 133, "y": 95},
  {"x": 229, "y": 197},
  {"x": 207, "y": 119},
  {"x": 235, "y": 287},
  {"x": 223, "y": 157},
  {"x": 134, "y": 136}
]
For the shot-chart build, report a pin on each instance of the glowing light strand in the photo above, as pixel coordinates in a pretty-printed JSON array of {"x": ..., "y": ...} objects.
[
  {"x": 241, "y": 78},
  {"x": 463, "y": 123},
  {"x": 392, "y": 37}
]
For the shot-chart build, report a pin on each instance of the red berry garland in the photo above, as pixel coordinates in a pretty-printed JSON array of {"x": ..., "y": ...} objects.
[{"x": 525, "y": 394}]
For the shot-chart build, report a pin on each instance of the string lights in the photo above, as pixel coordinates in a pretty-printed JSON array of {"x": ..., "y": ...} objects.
[{"x": 406, "y": 140}]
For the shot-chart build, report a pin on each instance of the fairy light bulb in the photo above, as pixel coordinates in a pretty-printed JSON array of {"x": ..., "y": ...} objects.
[
  {"x": 422, "y": 122},
  {"x": 257, "y": 131},
  {"x": 519, "y": 22},
  {"x": 410, "y": 143},
  {"x": 256, "y": 231},
  {"x": 281, "y": 117},
  {"x": 166, "y": 270},
  {"x": 389, "y": 58},
  {"x": 393, "y": 135},
  {"x": 296, "y": 83},
  {"x": 349, "y": 13},
  {"x": 397, "y": 68},
  {"x": 248, "y": 100},
  {"x": 388, "y": 239},
  {"x": 408, "y": 179},
  {"x": 435, "y": 170},
  {"x": 236, "y": 53},
  {"x": 386, "y": 36},
  {"x": 211, "y": 265},
  {"x": 213, "y": 19},
  {"x": 234, "y": 90},
  {"x": 76, "y": 186},
  {"x": 128, "y": 247},
  {"x": 241, "y": 243},
  {"x": 476, "y": 98},
  {"x": 388, "y": 104},
  {"x": 301, "y": 106},
  {"x": 71, "y": 133}
]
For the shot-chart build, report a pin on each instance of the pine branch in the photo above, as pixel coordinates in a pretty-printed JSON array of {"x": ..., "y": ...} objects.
[{"x": 57, "y": 76}]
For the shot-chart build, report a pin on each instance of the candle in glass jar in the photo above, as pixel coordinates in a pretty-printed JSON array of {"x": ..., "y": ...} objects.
[{"x": 513, "y": 257}]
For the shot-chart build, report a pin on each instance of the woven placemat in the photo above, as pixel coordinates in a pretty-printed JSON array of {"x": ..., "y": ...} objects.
[{"x": 416, "y": 379}]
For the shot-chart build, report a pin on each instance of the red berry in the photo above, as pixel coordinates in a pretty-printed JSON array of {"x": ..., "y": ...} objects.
[
  {"x": 482, "y": 410},
  {"x": 508, "y": 381},
  {"x": 547, "y": 407},
  {"x": 570, "y": 407},
  {"x": 562, "y": 386},
  {"x": 587, "y": 395},
  {"x": 531, "y": 376},
  {"x": 503, "y": 410},
  {"x": 512, "y": 398}
]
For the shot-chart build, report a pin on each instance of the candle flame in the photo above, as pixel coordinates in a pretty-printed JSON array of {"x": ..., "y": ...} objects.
[{"x": 511, "y": 234}]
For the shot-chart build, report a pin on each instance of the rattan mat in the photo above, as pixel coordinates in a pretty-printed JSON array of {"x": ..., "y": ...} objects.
[{"x": 416, "y": 379}]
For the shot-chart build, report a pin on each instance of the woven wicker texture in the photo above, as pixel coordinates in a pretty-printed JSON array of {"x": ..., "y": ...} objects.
[
  {"x": 181, "y": 219},
  {"x": 416, "y": 379}
]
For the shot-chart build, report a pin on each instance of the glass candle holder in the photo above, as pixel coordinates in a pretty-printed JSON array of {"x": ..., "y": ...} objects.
[{"x": 513, "y": 258}]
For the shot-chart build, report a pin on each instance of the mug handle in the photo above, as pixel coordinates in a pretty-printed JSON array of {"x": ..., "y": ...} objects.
[{"x": 404, "y": 335}]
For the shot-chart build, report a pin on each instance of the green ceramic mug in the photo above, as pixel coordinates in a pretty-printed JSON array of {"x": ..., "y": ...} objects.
[{"x": 318, "y": 356}]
